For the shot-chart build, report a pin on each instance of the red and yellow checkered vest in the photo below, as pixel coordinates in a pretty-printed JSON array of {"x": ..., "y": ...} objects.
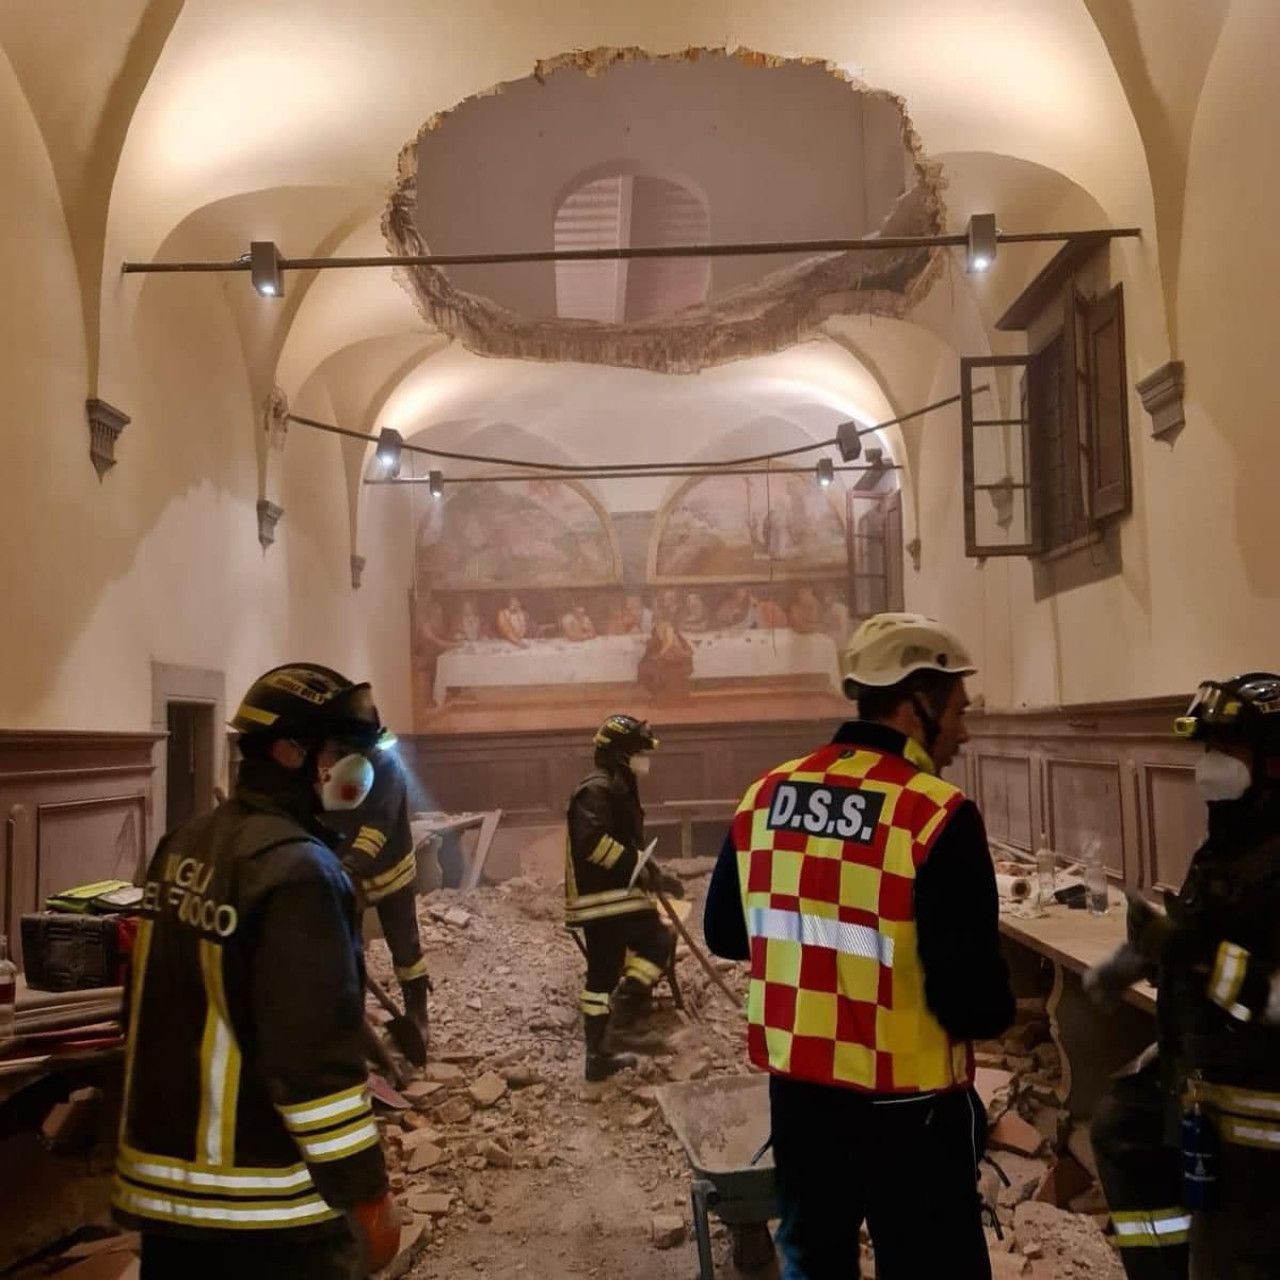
[{"x": 828, "y": 848}]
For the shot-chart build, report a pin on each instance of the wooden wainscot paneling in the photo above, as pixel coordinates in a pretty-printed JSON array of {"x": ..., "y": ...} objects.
[
  {"x": 531, "y": 775},
  {"x": 78, "y": 808},
  {"x": 1174, "y": 821},
  {"x": 1114, "y": 769},
  {"x": 1003, "y": 792},
  {"x": 1085, "y": 802}
]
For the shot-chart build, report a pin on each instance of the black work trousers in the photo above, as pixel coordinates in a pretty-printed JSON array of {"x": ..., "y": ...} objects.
[
  {"x": 907, "y": 1167},
  {"x": 636, "y": 946},
  {"x": 398, "y": 915},
  {"x": 1141, "y": 1173},
  {"x": 250, "y": 1255}
]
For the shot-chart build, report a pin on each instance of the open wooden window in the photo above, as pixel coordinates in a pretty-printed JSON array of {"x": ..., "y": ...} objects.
[
  {"x": 1048, "y": 478},
  {"x": 875, "y": 553}
]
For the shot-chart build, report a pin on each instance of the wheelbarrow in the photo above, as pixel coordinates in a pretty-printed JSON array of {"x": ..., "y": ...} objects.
[{"x": 723, "y": 1125}]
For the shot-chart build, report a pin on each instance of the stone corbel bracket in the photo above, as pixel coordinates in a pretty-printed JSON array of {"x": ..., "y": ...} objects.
[
  {"x": 1161, "y": 394},
  {"x": 268, "y": 517},
  {"x": 106, "y": 422},
  {"x": 913, "y": 549},
  {"x": 357, "y": 571}
]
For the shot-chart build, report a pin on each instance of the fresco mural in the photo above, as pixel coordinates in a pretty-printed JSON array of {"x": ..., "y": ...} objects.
[
  {"x": 514, "y": 534},
  {"x": 776, "y": 525},
  {"x": 523, "y": 600}
]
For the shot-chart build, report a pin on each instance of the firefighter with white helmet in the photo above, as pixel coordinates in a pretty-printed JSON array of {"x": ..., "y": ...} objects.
[{"x": 859, "y": 886}]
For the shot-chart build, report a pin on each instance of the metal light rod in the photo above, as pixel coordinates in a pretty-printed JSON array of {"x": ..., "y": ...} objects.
[
  {"x": 761, "y": 248},
  {"x": 504, "y": 478}
]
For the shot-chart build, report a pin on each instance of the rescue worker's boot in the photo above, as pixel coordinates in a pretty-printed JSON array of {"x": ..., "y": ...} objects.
[
  {"x": 415, "y": 1002},
  {"x": 601, "y": 1063},
  {"x": 629, "y": 1009}
]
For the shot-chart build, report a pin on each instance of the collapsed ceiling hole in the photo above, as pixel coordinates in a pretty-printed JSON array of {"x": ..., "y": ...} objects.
[{"x": 616, "y": 148}]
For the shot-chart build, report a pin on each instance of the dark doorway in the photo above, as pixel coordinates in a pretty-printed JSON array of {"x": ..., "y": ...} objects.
[{"x": 189, "y": 762}]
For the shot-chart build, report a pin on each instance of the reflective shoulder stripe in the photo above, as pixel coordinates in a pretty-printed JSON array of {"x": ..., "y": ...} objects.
[
  {"x": 319, "y": 1112},
  {"x": 220, "y": 1213},
  {"x": 606, "y": 853},
  {"x": 141, "y": 952}
]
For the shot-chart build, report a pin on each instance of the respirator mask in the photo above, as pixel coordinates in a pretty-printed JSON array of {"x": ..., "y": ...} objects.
[
  {"x": 346, "y": 783},
  {"x": 1222, "y": 777}
]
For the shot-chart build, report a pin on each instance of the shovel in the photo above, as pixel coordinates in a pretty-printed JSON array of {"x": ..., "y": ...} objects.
[{"x": 403, "y": 1031}]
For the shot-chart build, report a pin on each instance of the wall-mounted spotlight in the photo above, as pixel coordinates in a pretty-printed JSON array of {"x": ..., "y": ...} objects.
[
  {"x": 826, "y": 472},
  {"x": 389, "y": 451},
  {"x": 435, "y": 484},
  {"x": 875, "y": 458},
  {"x": 981, "y": 250},
  {"x": 849, "y": 441},
  {"x": 264, "y": 268}
]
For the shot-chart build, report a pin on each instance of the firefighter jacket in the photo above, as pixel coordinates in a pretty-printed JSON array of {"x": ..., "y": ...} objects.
[
  {"x": 377, "y": 844},
  {"x": 828, "y": 849},
  {"x": 1218, "y": 972},
  {"x": 245, "y": 1105},
  {"x": 605, "y": 837}
]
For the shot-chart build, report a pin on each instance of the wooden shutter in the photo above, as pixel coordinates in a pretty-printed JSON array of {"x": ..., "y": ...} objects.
[
  {"x": 1110, "y": 484},
  {"x": 999, "y": 469}
]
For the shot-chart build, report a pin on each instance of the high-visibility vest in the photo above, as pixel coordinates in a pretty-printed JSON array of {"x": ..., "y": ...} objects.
[{"x": 828, "y": 849}]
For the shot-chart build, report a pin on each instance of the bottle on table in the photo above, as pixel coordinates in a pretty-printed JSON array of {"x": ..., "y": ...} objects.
[
  {"x": 1046, "y": 868},
  {"x": 1095, "y": 877},
  {"x": 8, "y": 995}
]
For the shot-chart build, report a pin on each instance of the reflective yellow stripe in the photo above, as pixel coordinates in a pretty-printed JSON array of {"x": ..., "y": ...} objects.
[
  {"x": 1249, "y": 1132},
  {"x": 606, "y": 853},
  {"x": 607, "y": 896},
  {"x": 644, "y": 970},
  {"x": 340, "y": 1143},
  {"x": 301, "y": 1116},
  {"x": 172, "y": 1174},
  {"x": 221, "y": 1213},
  {"x": 247, "y": 712},
  {"x": 384, "y": 877},
  {"x": 138, "y": 975},
  {"x": 1155, "y": 1228},
  {"x": 417, "y": 970},
  {"x": 594, "y": 1003},
  {"x": 375, "y": 893},
  {"x": 1229, "y": 969},
  {"x": 1248, "y": 1102},
  {"x": 219, "y": 1067}
]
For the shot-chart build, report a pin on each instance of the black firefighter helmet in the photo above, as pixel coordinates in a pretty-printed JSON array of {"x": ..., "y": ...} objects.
[
  {"x": 309, "y": 702},
  {"x": 624, "y": 736},
  {"x": 1245, "y": 709}
]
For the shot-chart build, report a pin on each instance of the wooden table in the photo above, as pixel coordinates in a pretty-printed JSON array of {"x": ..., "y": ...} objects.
[
  {"x": 690, "y": 811},
  {"x": 1093, "y": 1044}
]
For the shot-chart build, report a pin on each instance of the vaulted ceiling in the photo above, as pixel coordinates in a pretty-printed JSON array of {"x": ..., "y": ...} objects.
[{"x": 187, "y": 128}]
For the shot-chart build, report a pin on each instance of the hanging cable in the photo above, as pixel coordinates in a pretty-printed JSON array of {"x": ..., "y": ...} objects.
[{"x": 599, "y": 470}]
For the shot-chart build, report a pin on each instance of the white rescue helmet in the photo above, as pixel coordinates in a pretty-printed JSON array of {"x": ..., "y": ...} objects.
[{"x": 889, "y": 647}]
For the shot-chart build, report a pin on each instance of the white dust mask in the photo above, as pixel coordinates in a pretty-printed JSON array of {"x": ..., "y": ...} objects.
[
  {"x": 1222, "y": 777},
  {"x": 344, "y": 784},
  {"x": 640, "y": 765}
]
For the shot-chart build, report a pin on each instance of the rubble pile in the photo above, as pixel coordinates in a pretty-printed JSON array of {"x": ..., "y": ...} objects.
[
  {"x": 1052, "y": 1212},
  {"x": 501, "y": 1123}
]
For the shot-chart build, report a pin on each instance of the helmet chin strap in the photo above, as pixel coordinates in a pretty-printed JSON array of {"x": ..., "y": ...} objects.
[{"x": 928, "y": 721}]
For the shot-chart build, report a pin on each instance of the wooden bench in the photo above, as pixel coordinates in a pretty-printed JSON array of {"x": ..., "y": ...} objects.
[
  {"x": 1093, "y": 1044},
  {"x": 688, "y": 812}
]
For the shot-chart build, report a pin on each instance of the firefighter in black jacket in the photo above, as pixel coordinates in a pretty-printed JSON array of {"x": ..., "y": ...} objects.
[
  {"x": 378, "y": 854},
  {"x": 1213, "y": 1087},
  {"x": 606, "y": 871},
  {"x": 248, "y": 1144},
  {"x": 859, "y": 885}
]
